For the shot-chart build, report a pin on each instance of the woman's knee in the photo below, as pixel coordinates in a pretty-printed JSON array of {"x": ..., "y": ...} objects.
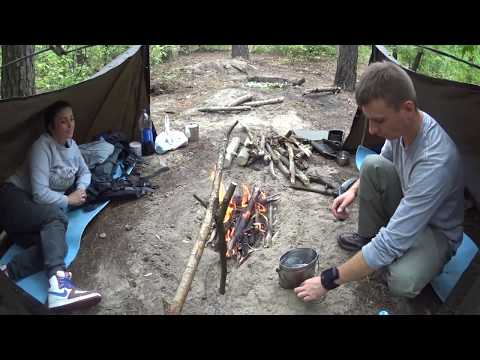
[{"x": 55, "y": 213}]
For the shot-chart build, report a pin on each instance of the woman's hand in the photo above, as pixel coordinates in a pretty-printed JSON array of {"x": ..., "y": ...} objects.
[
  {"x": 77, "y": 198},
  {"x": 340, "y": 204}
]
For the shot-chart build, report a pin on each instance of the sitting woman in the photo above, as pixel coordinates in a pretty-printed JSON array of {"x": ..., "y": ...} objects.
[{"x": 33, "y": 205}]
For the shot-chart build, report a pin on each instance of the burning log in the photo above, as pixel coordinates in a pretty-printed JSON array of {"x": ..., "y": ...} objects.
[
  {"x": 197, "y": 251},
  {"x": 291, "y": 163},
  {"x": 244, "y": 219},
  {"x": 264, "y": 102},
  {"x": 221, "y": 244},
  {"x": 225, "y": 109},
  {"x": 241, "y": 100}
]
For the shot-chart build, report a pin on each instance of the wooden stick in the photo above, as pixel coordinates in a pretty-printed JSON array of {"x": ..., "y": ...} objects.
[
  {"x": 221, "y": 244},
  {"x": 291, "y": 163},
  {"x": 244, "y": 154},
  {"x": 318, "y": 191},
  {"x": 231, "y": 151},
  {"x": 197, "y": 250},
  {"x": 298, "y": 173},
  {"x": 241, "y": 100},
  {"x": 269, "y": 236},
  {"x": 225, "y": 109},
  {"x": 335, "y": 90},
  {"x": 276, "y": 160},
  {"x": 276, "y": 80},
  {"x": 264, "y": 102},
  {"x": 261, "y": 151},
  {"x": 320, "y": 180},
  {"x": 203, "y": 203},
  {"x": 272, "y": 170}
]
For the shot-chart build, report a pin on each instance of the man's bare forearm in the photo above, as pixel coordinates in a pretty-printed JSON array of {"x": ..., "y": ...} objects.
[
  {"x": 354, "y": 188},
  {"x": 355, "y": 268}
]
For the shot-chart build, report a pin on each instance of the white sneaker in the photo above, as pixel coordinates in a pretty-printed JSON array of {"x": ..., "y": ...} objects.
[
  {"x": 63, "y": 294},
  {"x": 3, "y": 269}
]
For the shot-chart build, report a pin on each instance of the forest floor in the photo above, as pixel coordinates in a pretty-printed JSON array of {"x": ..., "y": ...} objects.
[{"x": 138, "y": 270}]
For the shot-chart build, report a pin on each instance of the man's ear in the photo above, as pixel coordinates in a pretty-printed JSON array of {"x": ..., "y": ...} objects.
[{"x": 408, "y": 106}]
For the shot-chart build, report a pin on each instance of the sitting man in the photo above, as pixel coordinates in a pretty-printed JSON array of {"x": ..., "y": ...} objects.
[
  {"x": 410, "y": 196},
  {"x": 33, "y": 207}
]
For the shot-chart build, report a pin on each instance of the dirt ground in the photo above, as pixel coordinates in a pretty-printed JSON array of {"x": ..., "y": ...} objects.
[{"x": 137, "y": 270}]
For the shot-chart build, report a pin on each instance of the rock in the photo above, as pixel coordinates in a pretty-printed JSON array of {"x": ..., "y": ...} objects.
[
  {"x": 102, "y": 235},
  {"x": 128, "y": 227}
]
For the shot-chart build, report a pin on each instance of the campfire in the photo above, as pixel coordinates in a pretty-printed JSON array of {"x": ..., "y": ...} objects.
[{"x": 248, "y": 222}]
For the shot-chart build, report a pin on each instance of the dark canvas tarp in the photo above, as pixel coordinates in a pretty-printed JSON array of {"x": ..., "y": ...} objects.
[
  {"x": 456, "y": 106},
  {"x": 110, "y": 100}
]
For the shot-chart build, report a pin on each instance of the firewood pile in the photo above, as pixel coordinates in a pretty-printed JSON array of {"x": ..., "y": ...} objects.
[{"x": 285, "y": 155}]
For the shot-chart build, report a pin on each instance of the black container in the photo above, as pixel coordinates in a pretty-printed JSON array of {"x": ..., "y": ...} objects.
[
  {"x": 335, "y": 135},
  {"x": 296, "y": 266}
]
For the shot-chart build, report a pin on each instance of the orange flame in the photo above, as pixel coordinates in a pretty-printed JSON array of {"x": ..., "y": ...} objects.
[
  {"x": 229, "y": 213},
  {"x": 246, "y": 196},
  {"x": 260, "y": 208}
]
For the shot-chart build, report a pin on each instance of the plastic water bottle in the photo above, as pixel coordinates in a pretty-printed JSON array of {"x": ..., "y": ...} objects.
[{"x": 148, "y": 146}]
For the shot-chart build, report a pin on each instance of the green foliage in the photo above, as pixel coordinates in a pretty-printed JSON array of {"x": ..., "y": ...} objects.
[
  {"x": 55, "y": 72},
  {"x": 297, "y": 52},
  {"x": 440, "y": 66}
]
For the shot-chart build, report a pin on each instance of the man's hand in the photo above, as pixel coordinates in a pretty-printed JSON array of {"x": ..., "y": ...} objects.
[
  {"x": 311, "y": 289},
  {"x": 340, "y": 204},
  {"x": 77, "y": 198}
]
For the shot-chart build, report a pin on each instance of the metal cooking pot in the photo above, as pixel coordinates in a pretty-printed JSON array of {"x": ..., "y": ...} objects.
[
  {"x": 343, "y": 158},
  {"x": 296, "y": 266}
]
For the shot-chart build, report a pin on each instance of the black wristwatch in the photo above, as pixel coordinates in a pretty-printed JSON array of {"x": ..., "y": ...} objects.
[{"x": 328, "y": 278}]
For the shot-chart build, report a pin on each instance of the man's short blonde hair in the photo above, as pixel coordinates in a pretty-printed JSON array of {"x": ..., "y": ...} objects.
[{"x": 386, "y": 81}]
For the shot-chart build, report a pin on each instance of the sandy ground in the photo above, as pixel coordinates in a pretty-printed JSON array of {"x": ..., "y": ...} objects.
[{"x": 138, "y": 270}]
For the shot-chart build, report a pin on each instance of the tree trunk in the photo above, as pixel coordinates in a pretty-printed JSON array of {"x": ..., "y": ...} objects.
[
  {"x": 240, "y": 50},
  {"x": 416, "y": 61},
  {"x": 346, "y": 75},
  {"x": 18, "y": 79}
]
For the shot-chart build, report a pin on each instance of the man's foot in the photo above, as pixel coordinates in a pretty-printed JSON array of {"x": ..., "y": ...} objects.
[
  {"x": 64, "y": 295},
  {"x": 352, "y": 241}
]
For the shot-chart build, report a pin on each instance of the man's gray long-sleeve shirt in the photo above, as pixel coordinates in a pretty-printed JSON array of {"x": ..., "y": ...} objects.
[
  {"x": 51, "y": 169},
  {"x": 431, "y": 177}
]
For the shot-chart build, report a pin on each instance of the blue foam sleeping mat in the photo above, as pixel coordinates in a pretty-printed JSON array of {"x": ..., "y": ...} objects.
[
  {"x": 444, "y": 283},
  {"x": 37, "y": 284}
]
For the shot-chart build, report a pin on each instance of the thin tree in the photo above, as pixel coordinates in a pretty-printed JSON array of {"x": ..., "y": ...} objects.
[
  {"x": 346, "y": 74},
  {"x": 240, "y": 50},
  {"x": 18, "y": 79}
]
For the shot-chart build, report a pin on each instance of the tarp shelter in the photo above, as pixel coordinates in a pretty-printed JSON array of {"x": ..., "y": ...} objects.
[
  {"x": 110, "y": 100},
  {"x": 456, "y": 106}
]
